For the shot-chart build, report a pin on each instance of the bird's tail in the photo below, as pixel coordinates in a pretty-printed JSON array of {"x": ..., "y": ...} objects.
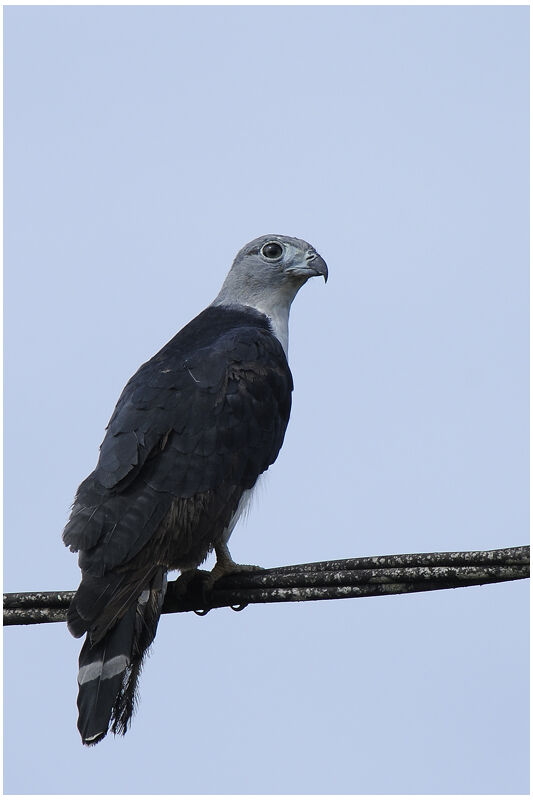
[{"x": 110, "y": 668}]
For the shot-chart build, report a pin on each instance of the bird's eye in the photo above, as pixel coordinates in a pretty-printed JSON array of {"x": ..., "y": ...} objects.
[{"x": 272, "y": 251}]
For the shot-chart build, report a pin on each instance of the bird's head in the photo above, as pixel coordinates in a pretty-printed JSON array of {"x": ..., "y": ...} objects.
[
  {"x": 280, "y": 259},
  {"x": 271, "y": 268}
]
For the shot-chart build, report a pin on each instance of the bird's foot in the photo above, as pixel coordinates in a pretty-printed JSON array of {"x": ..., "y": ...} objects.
[
  {"x": 200, "y": 582},
  {"x": 194, "y": 586},
  {"x": 192, "y": 576},
  {"x": 229, "y": 567},
  {"x": 204, "y": 579},
  {"x": 226, "y": 565}
]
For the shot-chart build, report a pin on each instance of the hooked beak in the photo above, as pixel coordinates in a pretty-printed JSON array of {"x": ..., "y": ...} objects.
[
  {"x": 314, "y": 265},
  {"x": 317, "y": 264}
]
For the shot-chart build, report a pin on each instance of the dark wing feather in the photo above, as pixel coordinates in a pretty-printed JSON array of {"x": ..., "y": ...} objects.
[{"x": 219, "y": 418}]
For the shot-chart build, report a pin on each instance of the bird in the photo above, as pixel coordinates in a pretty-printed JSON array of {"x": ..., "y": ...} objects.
[{"x": 192, "y": 432}]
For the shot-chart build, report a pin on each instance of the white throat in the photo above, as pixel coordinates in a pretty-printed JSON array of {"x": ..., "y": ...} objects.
[
  {"x": 276, "y": 308},
  {"x": 278, "y": 315}
]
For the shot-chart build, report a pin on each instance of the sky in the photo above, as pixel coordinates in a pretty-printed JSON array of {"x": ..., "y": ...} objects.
[{"x": 143, "y": 147}]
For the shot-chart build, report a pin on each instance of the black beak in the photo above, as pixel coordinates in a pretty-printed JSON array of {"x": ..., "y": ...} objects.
[{"x": 317, "y": 264}]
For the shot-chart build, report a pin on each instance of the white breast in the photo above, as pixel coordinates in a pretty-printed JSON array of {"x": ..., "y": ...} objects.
[{"x": 242, "y": 509}]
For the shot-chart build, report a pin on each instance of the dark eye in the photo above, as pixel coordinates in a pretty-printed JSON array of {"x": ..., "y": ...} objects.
[{"x": 272, "y": 250}]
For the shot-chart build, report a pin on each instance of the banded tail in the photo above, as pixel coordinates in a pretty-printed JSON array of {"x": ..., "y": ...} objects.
[{"x": 109, "y": 668}]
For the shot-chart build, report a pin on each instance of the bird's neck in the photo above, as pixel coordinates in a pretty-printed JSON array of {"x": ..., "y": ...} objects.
[
  {"x": 278, "y": 315},
  {"x": 275, "y": 306}
]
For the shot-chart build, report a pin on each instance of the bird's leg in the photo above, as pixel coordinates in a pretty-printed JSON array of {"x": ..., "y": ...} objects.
[
  {"x": 206, "y": 579},
  {"x": 226, "y": 565}
]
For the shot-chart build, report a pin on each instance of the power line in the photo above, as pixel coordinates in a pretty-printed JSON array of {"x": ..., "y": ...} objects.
[{"x": 323, "y": 580}]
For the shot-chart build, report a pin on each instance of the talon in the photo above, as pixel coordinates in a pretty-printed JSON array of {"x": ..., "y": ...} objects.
[
  {"x": 189, "y": 577},
  {"x": 196, "y": 582},
  {"x": 226, "y": 565}
]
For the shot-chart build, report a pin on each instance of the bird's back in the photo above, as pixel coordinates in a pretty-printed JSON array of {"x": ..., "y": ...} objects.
[{"x": 193, "y": 429}]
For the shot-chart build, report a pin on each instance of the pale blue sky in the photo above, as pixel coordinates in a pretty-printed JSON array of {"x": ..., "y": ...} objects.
[{"x": 143, "y": 147}]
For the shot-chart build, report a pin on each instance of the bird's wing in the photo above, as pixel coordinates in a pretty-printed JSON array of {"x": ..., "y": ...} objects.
[{"x": 182, "y": 426}]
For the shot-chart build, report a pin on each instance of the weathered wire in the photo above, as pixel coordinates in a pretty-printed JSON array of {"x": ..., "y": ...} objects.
[{"x": 323, "y": 580}]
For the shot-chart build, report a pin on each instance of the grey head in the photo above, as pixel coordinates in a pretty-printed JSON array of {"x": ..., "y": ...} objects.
[{"x": 267, "y": 274}]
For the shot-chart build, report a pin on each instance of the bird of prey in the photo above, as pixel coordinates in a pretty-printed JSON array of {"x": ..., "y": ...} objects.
[{"x": 191, "y": 433}]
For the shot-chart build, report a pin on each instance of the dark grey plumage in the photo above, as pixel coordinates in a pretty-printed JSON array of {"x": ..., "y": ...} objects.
[{"x": 192, "y": 431}]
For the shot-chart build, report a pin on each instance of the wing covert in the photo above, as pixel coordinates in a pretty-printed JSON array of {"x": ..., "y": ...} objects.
[{"x": 182, "y": 426}]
